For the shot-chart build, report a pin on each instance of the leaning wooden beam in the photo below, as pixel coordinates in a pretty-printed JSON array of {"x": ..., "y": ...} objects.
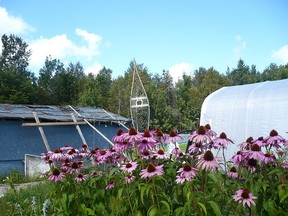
[
  {"x": 79, "y": 129},
  {"x": 53, "y": 123},
  {"x": 42, "y": 132},
  {"x": 94, "y": 128},
  {"x": 116, "y": 120}
]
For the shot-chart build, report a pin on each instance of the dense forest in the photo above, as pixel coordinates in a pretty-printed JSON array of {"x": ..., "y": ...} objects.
[{"x": 173, "y": 105}]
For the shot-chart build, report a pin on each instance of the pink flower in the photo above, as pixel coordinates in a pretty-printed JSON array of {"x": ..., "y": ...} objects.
[
  {"x": 254, "y": 153},
  {"x": 244, "y": 196},
  {"x": 259, "y": 141},
  {"x": 56, "y": 175},
  {"x": 173, "y": 137},
  {"x": 232, "y": 173},
  {"x": 132, "y": 135},
  {"x": 246, "y": 145},
  {"x": 186, "y": 173},
  {"x": 238, "y": 158},
  {"x": 151, "y": 171},
  {"x": 197, "y": 147},
  {"x": 207, "y": 161},
  {"x": 110, "y": 185},
  {"x": 129, "y": 179},
  {"x": 176, "y": 151},
  {"x": 119, "y": 136},
  {"x": 285, "y": 165},
  {"x": 57, "y": 155},
  {"x": 160, "y": 154},
  {"x": 222, "y": 141},
  {"x": 81, "y": 177},
  {"x": 274, "y": 139},
  {"x": 129, "y": 167},
  {"x": 268, "y": 158},
  {"x": 145, "y": 144},
  {"x": 146, "y": 154},
  {"x": 200, "y": 136},
  {"x": 148, "y": 135},
  {"x": 209, "y": 131}
]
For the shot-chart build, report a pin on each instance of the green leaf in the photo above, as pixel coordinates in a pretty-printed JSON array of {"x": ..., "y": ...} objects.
[
  {"x": 203, "y": 207},
  {"x": 179, "y": 210},
  {"x": 215, "y": 207},
  {"x": 152, "y": 211},
  {"x": 167, "y": 205}
]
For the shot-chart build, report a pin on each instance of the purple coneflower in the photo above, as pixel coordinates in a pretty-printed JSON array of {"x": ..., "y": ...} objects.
[
  {"x": 238, "y": 158},
  {"x": 57, "y": 155},
  {"x": 200, "y": 136},
  {"x": 259, "y": 141},
  {"x": 232, "y": 173},
  {"x": 268, "y": 158},
  {"x": 146, "y": 154},
  {"x": 132, "y": 135},
  {"x": 129, "y": 167},
  {"x": 186, "y": 173},
  {"x": 197, "y": 147},
  {"x": 285, "y": 165},
  {"x": 74, "y": 168},
  {"x": 244, "y": 196},
  {"x": 145, "y": 144},
  {"x": 209, "y": 131},
  {"x": 176, "y": 151},
  {"x": 160, "y": 154},
  {"x": 254, "y": 153},
  {"x": 247, "y": 144},
  {"x": 151, "y": 171},
  {"x": 148, "y": 135},
  {"x": 274, "y": 139},
  {"x": 122, "y": 146},
  {"x": 160, "y": 136},
  {"x": 110, "y": 185},
  {"x": 207, "y": 161},
  {"x": 56, "y": 175},
  {"x": 129, "y": 179},
  {"x": 252, "y": 165},
  {"x": 80, "y": 177},
  {"x": 222, "y": 141},
  {"x": 173, "y": 137},
  {"x": 119, "y": 136}
]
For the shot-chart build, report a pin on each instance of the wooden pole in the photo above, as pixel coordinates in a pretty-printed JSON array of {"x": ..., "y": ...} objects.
[
  {"x": 79, "y": 129},
  {"x": 52, "y": 124},
  {"x": 115, "y": 119},
  {"x": 42, "y": 132},
  {"x": 111, "y": 143}
]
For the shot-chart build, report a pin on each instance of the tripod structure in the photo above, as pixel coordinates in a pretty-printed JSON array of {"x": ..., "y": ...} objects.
[{"x": 139, "y": 103}]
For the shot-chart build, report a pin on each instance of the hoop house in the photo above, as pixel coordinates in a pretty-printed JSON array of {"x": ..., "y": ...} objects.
[{"x": 247, "y": 110}]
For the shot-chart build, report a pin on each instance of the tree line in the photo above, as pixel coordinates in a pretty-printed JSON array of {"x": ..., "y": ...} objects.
[{"x": 173, "y": 105}]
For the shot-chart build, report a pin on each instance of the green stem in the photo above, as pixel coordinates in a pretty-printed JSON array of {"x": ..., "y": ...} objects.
[{"x": 155, "y": 194}]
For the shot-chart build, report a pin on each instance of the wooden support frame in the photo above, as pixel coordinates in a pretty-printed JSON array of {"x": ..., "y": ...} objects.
[{"x": 42, "y": 132}]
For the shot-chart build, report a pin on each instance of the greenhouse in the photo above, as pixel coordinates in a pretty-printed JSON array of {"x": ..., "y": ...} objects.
[{"x": 247, "y": 110}]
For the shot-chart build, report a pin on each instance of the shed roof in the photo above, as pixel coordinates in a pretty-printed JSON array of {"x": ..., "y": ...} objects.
[{"x": 58, "y": 113}]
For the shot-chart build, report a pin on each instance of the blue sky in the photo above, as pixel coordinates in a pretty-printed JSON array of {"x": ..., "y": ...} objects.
[{"x": 179, "y": 36}]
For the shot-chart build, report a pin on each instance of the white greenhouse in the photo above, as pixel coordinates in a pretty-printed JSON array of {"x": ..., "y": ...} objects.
[{"x": 247, "y": 110}]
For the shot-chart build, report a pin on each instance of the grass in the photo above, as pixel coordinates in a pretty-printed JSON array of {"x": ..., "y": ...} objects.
[{"x": 183, "y": 147}]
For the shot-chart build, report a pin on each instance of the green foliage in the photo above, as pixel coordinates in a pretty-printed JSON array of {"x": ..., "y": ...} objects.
[{"x": 172, "y": 105}]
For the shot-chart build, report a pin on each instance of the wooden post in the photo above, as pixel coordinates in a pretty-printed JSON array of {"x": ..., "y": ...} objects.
[
  {"x": 79, "y": 130},
  {"x": 42, "y": 132},
  {"x": 94, "y": 128}
]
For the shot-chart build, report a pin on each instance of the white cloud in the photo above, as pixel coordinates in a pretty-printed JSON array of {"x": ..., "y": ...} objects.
[
  {"x": 281, "y": 54},
  {"x": 62, "y": 48},
  {"x": 11, "y": 24},
  {"x": 94, "y": 69},
  {"x": 239, "y": 47},
  {"x": 176, "y": 71}
]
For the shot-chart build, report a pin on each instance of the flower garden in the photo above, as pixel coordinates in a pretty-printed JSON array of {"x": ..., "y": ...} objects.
[{"x": 139, "y": 176}]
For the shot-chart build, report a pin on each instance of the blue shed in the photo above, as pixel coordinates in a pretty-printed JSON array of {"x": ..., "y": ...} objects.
[{"x": 97, "y": 126}]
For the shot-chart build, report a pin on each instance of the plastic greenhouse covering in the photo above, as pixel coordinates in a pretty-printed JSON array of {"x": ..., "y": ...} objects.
[{"x": 247, "y": 110}]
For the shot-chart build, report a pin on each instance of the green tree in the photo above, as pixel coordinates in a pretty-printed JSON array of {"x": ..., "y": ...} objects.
[
  {"x": 46, "y": 90},
  {"x": 17, "y": 84}
]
